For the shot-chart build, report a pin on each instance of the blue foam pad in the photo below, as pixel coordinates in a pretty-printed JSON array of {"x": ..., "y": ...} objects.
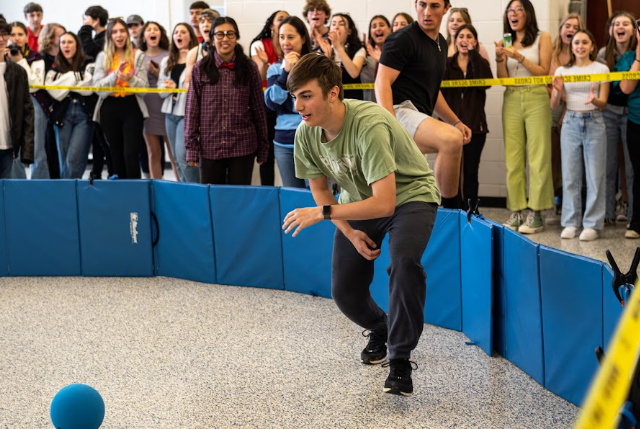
[
  {"x": 523, "y": 313},
  {"x": 476, "y": 255},
  {"x": 247, "y": 236},
  {"x": 185, "y": 243},
  {"x": 307, "y": 257},
  {"x": 572, "y": 321},
  {"x": 442, "y": 265},
  {"x": 115, "y": 228},
  {"x": 380, "y": 284},
  {"x": 611, "y": 307},
  {"x": 4, "y": 262},
  {"x": 499, "y": 294},
  {"x": 42, "y": 227}
]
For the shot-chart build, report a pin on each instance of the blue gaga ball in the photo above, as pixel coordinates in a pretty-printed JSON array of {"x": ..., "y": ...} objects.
[{"x": 77, "y": 406}]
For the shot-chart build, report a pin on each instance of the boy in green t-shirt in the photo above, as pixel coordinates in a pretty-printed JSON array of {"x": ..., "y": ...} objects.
[{"x": 387, "y": 187}]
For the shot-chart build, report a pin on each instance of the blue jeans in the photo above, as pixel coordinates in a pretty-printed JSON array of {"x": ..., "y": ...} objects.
[
  {"x": 175, "y": 131},
  {"x": 74, "y": 139},
  {"x": 39, "y": 168},
  {"x": 583, "y": 138},
  {"x": 616, "y": 130},
  {"x": 286, "y": 166}
]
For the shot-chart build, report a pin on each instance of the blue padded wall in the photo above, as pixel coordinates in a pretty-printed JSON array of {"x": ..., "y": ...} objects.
[
  {"x": 441, "y": 262},
  {"x": 115, "y": 228},
  {"x": 611, "y": 307},
  {"x": 499, "y": 295},
  {"x": 42, "y": 227},
  {"x": 247, "y": 236},
  {"x": 476, "y": 255},
  {"x": 572, "y": 321},
  {"x": 307, "y": 257},
  {"x": 442, "y": 265},
  {"x": 4, "y": 262},
  {"x": 185, "y": 245},
  {"x": 380, "y": 283},
  {"x": 523, "y": 314}
]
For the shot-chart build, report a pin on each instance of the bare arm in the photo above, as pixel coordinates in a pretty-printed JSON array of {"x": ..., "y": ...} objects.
[
  {"x": 545, "y": 49},
  {"x": 628, "y": 86},
  {"x": 352, "y": 66},
  {"x": 384, "y": 80}
]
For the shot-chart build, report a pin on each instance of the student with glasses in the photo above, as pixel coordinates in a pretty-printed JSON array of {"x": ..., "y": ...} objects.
[
  {"x": 195, "y": 10},
  {"x": 16, "y": 109},
  {"x": 225, "y": 123},
  {"x": 526, "y": 118},
  {"x": 317, "y": 13}
]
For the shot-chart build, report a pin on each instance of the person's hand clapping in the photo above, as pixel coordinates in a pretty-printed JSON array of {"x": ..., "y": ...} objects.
[{"x": 290, "y": 60}]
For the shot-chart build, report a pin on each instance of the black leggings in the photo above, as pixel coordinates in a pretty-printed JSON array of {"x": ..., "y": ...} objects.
[
  {"x": 228, "y": 171},
  {"x": 122, "y": 120},
  {"x": 472, "y": 152},
  {"x": 633, "y": 143}
]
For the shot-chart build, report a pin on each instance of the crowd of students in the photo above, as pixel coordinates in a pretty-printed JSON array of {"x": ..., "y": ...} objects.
[{"x": 238, "y": 108}]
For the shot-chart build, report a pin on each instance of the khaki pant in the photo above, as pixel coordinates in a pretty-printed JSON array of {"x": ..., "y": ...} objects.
[{"x": 526, "y": 122}]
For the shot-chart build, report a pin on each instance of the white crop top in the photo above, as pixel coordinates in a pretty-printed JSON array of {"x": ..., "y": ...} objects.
[
  {"x": 577, "y": 93},
  {"x": 532, "y": 53}
]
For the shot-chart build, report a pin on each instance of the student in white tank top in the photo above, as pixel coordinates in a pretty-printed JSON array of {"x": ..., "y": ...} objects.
[
  {"x": 526, "y": 118},
  {"x": 583, "y": 136}
]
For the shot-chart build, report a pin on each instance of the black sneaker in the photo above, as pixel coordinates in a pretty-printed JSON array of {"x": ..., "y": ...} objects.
[
  {"x": 399, "y": 380},
  {"x": 376, "y": 350}
]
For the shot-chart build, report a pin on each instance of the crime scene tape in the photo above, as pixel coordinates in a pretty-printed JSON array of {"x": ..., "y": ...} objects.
[
  {"x": 610, "y": 388},
  {"x": 463, "y": 83}
]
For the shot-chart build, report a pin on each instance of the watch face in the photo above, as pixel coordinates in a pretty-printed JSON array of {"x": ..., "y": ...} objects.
[{"x": 326, "y": 211}]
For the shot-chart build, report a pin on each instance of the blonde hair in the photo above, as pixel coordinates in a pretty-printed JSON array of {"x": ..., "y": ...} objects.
[
  {"x": 464, "y": 13},
  {"x": 557, "y": 44},
  {"x": 48, "y": 33},
  {"x": 110, "y": 48}
]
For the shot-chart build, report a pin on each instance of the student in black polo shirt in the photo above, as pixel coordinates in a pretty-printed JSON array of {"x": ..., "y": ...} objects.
[{"x": 411, "y": 69}]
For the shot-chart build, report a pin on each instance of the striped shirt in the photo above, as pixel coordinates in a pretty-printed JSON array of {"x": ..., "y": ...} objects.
[{"x": 222, "y": 120}]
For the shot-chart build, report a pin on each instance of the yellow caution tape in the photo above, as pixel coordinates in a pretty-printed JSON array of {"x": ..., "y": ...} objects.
[
  {"x": 521, "y": 81},
  {"x": 610, "y": 389},
  {"x": 510, "y": 81},
  {"x": 110, "y": 89}
]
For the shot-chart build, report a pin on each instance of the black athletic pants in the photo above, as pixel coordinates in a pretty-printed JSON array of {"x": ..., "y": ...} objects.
[
  {"x": 228, "y": 171},
  {"x": 122, "y": 121},
  {"x": 409, "y": 230}
]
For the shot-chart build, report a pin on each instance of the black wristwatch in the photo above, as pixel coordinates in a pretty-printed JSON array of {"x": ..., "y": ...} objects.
[{"x": 326, "y": 212}]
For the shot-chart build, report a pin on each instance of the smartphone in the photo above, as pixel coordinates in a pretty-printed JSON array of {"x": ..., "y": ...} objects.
[{"x": 507, "y": 43}]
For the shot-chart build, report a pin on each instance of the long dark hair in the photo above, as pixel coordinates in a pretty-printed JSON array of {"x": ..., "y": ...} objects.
[
  {"x": 353, "y": 41},
  {"x": 265, "y": 33},
  {"x": 242, "y": 63},
  {"x": 62, "y": 65},
  {"x": 301, "y": 29},
  {"x": 164, "y": 40},
  {"x": 174, "y": 52},
  {"x": 531, "y": 28},
  {"x": 382, "y": 17}
]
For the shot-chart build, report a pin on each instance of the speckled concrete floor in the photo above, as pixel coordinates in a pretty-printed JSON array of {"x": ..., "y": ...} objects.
[{"x": 168, "y": 353}]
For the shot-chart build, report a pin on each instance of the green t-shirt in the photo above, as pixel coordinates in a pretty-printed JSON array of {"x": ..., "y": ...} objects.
[{"x": 371, "y": 145}]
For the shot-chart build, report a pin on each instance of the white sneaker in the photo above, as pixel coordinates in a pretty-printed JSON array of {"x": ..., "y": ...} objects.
[
  {"x": 589, "y": 234},
  {"x": 569, "y": 232},
  {"x": 631, "y": 234}
]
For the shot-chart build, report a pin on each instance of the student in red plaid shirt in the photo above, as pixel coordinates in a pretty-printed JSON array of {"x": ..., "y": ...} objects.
[{"x": 225, "y": 121}]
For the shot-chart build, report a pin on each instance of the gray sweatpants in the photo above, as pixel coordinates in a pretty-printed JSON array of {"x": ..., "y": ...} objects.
[{"x": 409, "y": 230}]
